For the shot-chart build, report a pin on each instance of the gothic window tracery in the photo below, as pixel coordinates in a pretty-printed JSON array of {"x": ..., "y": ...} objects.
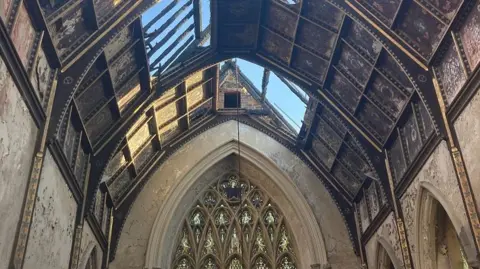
[{"x": 235, "y": 225}]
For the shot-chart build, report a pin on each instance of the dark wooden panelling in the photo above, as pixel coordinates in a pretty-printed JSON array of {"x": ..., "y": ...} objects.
[
  {"x": 389, "y": 66},
  {"x": 323, "y": 153},
  {"x": 91, "y": 99},
  {"x": 316, "y": 38},
  {"x": 412, "y": 137},
  {"x": 118, "y": 186},
  {"x": 398, "y": 160},
  {"x": 355, "y": 65},
  {"x": 385, "y": 94},
  {"x": 325, "y": 132},
  {"x": 470, "y": 35},
  {"x": 276, "y": 46},
  {"x": 144, "y": 156},
  {"x": 237, "y": 35},
  {"x": 446, "y": 7},
  {"x": 421, "y": 29},
  {"x": 356, "y": 165},
  {"x": 425, "y": 119},
  {"x": 322, "y": 12},
  {"x": 346, "y": 179},
  {"x": 450, "y": 73},
  {"x": 375, "y": 120},
  {"x": 105, "y": 8},
  {"x": 238, "y": 11},
  {"x": 123, "y": 67},
  {"x": 100, "y": 123},
  {"x": 386, "y": 9},
  {"x": 70, "y": 31},
  {"x": 345, "y": 93},
  {"x": 309, "y": 64},
  {"x": 128, "y": 93},
  {"x": 363, "y": 41},
  {"x": 119, "y": 42},
  {"x": 280, "y": 20}
]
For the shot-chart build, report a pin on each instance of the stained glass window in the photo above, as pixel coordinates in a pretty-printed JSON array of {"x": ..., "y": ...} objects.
[{"x": 235, "y": 225}]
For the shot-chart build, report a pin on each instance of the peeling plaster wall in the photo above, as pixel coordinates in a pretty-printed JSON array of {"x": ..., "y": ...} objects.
[
  {"x": 17, "y": 141},
  {"x": 89, "y": 241},
  {"x": 467, "y": 127},
  {"x": 387, "y": 232},
  {"x": 438, "y": 177},
  {"x": 53, "y": 222},
  {"x": 135, "y": 235}
]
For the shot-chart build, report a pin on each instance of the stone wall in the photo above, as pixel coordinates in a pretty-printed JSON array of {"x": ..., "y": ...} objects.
[
  {"x": 132, "y": 247},
  {"x": 53, "y": 224},
  {"x": 17, "y": 140},
  {"x": 467, "y": 127}
]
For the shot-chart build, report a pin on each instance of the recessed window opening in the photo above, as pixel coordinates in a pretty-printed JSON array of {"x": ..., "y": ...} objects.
[{"x": 232, "y": 100}]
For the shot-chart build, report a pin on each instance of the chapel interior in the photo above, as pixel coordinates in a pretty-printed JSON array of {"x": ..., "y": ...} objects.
[{"x": 239, "y": 134}]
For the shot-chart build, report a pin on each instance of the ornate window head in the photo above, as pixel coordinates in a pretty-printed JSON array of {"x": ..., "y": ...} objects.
[{"x": 234, "y": 226}]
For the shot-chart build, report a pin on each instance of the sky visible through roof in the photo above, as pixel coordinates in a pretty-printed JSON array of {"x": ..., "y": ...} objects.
[{"x": 278, "y": 94}]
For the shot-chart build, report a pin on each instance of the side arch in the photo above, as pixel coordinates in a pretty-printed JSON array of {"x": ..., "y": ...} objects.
[
  {"x": 89, "y": 250},
  {"x": 428, "y": 198},
  {"x": 216, "y": 143},
  {"x": 384, "y": 245}
]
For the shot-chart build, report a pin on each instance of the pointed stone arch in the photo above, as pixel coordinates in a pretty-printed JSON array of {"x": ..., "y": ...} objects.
[
  {"x": 429, "y": 202},
  {"x": 175, "y": 187},
  {"x": 385, "y": 251}
]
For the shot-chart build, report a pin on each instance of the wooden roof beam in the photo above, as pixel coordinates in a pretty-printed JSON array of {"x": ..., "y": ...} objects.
[
  {"x": 161, "y": 14},
  {"x": 265, "y": 81},
  {"x": 151, "y": 36},
  {"x": 197, "y": 17}
]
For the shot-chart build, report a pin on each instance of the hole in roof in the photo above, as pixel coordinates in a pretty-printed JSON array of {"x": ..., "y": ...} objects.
[
  {"x": 169, "y": 29},
  {"x": 285, "y": 97}
]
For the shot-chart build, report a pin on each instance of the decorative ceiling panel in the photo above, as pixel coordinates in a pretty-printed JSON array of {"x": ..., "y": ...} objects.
[
  {"x": 71, "y": 31},
  {"x": 316, "y": 38},
  {"x": 346, "y": 179},
  {"x": 384, "y": 93},
  {"x": 100, "y": 123},
  {"x": 169, "y": 131},
  {"x": 426, "y": 120},
  {"x": 470, "y": 35},
  {"x": 91, "y": 98},
  {"x": 397, "y": 160},
  {"x": 334, "y": 121},
  {"x": 323, "y": 12},
  {"x": 195, "y": 96},
  {"x": 237, "y": 35},
  {"x": 118, "y": 186},
  {"x": 140, "y": 136},
  {"x": 364, "y": 41},
  {"x": 145, "y": 156},
  {"x": 356, "y": 66},
  {"x": 105, "y": 8},
  {"x": 413, "y": 139},
  {"x": 356, "y": 165},
  {"x": 421, "y": 30},
  {"x": 309, "y": 64},
  {"x": 323, "y": 153},
  {"x": 280, "y": 20},
  {"x": 71, "y": 139},
  {"x": 166, "y": 114},
  {"x": 239, "y": 10},
  {"x": 385, "y": 9},
  {"x": 123, "y": 67},
  {"x": 195, "y": 79},
  {"x": 275, "y": 46},
  {"x": 447, "y": 8},
  {"x": 124, "y": 37},
  {"x": 375, "y": 121},
  {"x": 117, "y": 162},
  {"x": 345, "y": 92},
  {"x": 128, "y": 92},
  {"x": 450, "y": 73},
  {"x": 325, "y": 132},
  {"x": 390, "y": 67}
]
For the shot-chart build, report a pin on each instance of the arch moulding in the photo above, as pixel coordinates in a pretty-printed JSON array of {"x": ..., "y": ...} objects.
[{"x": 174, "y": 187}]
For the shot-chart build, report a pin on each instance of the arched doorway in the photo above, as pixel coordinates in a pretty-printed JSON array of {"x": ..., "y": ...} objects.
[{"x": 439, "y": 244}]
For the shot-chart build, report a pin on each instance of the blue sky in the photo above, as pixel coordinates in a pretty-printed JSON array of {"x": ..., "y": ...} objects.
[{"x": 278, "y": 93}]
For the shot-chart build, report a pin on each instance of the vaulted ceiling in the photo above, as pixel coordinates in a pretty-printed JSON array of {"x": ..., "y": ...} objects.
[{"x": 130, "y": 92}]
